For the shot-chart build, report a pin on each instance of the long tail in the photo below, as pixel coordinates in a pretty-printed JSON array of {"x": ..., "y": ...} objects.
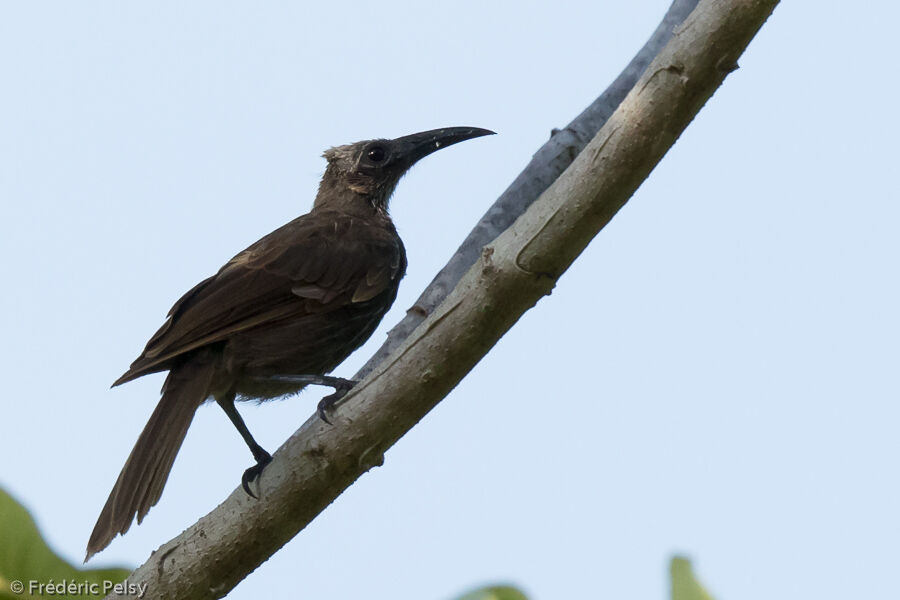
[{"x": 141, "y": 482}]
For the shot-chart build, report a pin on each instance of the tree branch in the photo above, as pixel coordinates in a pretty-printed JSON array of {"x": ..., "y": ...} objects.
[
  {"x": 545, "y": 166},
  {"x": 508, "y": 277}
]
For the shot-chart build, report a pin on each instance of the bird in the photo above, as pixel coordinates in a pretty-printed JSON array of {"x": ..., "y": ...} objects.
[{"x": 278, "y": 316}]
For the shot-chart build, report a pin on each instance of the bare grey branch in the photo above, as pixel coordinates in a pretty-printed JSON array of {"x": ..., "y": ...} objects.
[{"x": 545, "y": 166}]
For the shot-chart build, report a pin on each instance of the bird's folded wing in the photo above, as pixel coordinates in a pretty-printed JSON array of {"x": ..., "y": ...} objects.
[{"x": 307, "y": 266}]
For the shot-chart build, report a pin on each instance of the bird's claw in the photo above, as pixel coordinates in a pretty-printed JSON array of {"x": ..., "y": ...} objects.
[
  {"x": 253, "y": 472},
  {"x": 327, "y": 403}
]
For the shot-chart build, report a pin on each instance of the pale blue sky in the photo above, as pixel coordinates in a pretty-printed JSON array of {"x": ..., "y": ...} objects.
[{"x": 717, "y": 374}]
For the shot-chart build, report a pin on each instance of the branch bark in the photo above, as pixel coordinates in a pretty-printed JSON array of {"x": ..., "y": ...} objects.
[{"x": 507, "y": 278}]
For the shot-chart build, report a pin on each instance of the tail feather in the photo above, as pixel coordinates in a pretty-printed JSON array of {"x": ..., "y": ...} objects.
[{"x": 141, "y": 482}]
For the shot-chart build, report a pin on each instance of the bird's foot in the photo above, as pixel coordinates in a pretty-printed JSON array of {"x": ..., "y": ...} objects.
[
  {"x": 263, "y": 458},
  {"x": 341, "y": 387},
  {"x": 327, "y": 403}
]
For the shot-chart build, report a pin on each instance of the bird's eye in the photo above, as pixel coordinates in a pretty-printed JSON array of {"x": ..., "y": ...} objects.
[{"x": 376, "y": 154}]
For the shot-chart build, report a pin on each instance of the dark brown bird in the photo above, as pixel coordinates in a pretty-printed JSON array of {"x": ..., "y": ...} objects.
[{"x": 276, "y": 317}]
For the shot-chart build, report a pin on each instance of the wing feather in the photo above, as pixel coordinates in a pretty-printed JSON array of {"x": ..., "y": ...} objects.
[{"x": 310, "y": 265}]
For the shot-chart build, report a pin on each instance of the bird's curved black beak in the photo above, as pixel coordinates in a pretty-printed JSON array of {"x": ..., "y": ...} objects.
[{"x": 414, "y": 147}]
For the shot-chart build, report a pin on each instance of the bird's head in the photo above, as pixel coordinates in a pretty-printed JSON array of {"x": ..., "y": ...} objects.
[{"x": 371, "y": 169}]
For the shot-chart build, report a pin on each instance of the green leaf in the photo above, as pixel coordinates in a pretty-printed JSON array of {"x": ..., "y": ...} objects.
[
  {"x": 495, "y": 592},
  {"x": 26, "y": 562},
  {"x": 684, "y": 584}
]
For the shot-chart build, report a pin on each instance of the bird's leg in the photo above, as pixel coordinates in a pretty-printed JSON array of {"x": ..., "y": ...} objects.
[
  {"x": 341, "y": 387},
  {"x": 262, "y": 457}
]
